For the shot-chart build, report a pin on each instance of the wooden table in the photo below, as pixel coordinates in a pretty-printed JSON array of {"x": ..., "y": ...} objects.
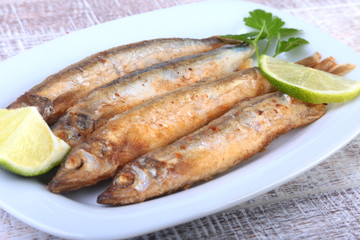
[{"x": 322, "y": 203}]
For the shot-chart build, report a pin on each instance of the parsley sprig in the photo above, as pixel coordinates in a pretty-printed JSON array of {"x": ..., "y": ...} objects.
[{"x": 269, "y": 28}]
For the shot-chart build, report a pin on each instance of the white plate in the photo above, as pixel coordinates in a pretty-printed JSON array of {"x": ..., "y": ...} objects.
[{"x": 76, "y": 215}]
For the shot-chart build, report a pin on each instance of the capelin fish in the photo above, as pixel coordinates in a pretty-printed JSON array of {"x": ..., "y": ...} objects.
[
  {"x": 122, "y": 94},
  {"x": 234, "y": 137},
  {"x": 154, "y": 124},
  {"x": 60, "y": 91},
  {"x": 126, "y": 137}
]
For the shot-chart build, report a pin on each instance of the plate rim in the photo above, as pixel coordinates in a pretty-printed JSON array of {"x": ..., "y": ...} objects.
[{"x": 63, "y": 202}]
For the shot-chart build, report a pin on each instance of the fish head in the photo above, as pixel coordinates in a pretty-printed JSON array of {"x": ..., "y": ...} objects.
[
  {"x": 73, "y": 127},
  {"x": 81, "y": 168},
  {"x": 142, "y": 177}
]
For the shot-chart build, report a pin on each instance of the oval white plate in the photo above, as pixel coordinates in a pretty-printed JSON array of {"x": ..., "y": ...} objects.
[{"x": 76, "y": 215}]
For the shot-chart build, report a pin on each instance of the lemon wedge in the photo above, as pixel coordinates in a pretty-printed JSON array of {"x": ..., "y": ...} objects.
[
  {"x": 308, "y": 84},
  {"x": 27, "y": 145}
]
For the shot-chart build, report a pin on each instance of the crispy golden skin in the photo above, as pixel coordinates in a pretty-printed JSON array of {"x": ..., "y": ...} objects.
[
  {"x": 154, "y": 124},
  {"x": 122, "y": 94},
  {"x": 60, "y": 91},
  {"x": 236, "y": 136}
]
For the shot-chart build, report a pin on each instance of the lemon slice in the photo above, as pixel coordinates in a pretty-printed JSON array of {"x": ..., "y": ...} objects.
[
  {"x": 308, "y": 84},
  {"x": 27, "y": 145}
]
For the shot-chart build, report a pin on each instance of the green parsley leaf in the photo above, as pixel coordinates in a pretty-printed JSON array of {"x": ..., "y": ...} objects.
[
  {"x": 291, "y": 43},
  {"x": 273, "y": 27},
  {"x": 269, "y": 28},
  {"x": 284, "y": 32},
  {"x": 246, "y": 37},
  {"x": 257, "y": 19}
]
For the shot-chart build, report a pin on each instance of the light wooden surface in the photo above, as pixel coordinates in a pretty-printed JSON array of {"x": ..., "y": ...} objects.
[{"x": 323, "y": 203}]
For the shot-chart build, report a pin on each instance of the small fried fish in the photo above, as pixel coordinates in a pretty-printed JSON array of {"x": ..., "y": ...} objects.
[
  {"x": 154, "y": 124},
  {"x": 124, "y": 93},
  {"x": 234, "y": 137},
  {"x": 58, "y": 92}
]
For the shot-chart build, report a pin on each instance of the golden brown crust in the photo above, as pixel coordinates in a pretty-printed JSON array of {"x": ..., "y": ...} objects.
[
  {"x": 248, "y": 128},
  {"x": 124, "y": 93},
  {"x": 63, "y": 89},
  {"x": 161, "y": 121}
]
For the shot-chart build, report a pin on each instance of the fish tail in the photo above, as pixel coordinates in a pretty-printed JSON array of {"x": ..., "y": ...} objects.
[{"x": 310, "y": 61}]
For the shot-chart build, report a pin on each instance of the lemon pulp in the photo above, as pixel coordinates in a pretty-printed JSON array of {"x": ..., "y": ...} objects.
[
  {"x": 27, "y": 145},
  {"x": 308, "y": 84}
]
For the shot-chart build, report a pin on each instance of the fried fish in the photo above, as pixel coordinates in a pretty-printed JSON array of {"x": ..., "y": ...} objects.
[
  {"x": 154, "y": 124},
  {"x": 124, "y": 93},
  {"x": 58, "y": 92},
  {"x": 234, "y": 137}
]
